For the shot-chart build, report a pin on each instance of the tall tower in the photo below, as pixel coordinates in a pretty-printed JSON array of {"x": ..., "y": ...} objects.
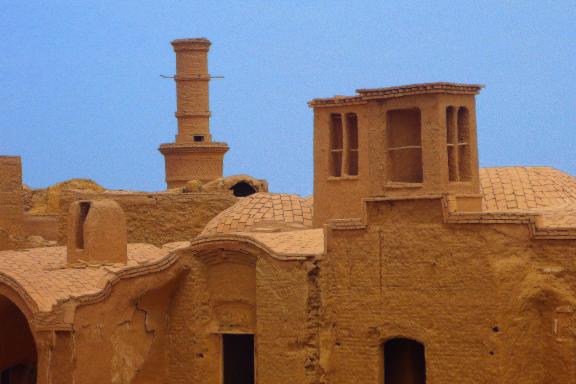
[{"x": 193, "y": 155}]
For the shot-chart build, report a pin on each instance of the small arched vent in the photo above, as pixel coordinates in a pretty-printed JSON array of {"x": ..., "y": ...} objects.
[{"x": 242, "y": 189}]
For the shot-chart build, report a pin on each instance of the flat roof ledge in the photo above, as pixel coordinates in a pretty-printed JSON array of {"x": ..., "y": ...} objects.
[{"x": 398, "y": 91}]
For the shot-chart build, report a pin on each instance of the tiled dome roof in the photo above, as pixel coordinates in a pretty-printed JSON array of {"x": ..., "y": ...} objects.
[
  {"x": 544, "y": 190},
  {"x": 266, "y": 212},
  {"x": 520, "y": 188}
]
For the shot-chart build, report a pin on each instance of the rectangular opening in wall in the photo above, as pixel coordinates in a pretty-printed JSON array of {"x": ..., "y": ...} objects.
[
  {"x": 83, "y": 213},
  {"x": 238, "y": 359},
  {"x": 404, "y": 362},
  {"x": 464, "y": 158},
  {"x": 336, "y": 145},
  {"x": 404, "y": 146},
  {"x": 451, "y": 143},
  {"x": 198, "y": 138},
  {"x": 352, "y": 135}
]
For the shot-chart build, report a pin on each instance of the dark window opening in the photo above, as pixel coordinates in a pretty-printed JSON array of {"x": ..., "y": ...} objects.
[
  {"x": 198, "y": 138},
  {"x": 336, "y": 145},
  {"x": 404, "y": 146},
  {"x": 451, "y": 144},
  {"x": 464, "y": 166},
  {"x": 352, "y": 135},
  {"x": 238, "y": 359},
  {"x": 242, "y": 189},
  {"x": 458, "y": 144},
  {"x": 19, "y": 374},
  {"x": 404, "y": 362},
  {"x": 18, "y": 356},
  {"x": 84, "y": 209}
]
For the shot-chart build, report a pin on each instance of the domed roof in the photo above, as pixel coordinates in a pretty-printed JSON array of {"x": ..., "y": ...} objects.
[
  {"x": 520, "y": 188},
  {"x": 263, "y": 212}
]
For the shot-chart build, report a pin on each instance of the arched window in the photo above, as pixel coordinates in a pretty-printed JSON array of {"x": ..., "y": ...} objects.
[
  {"x": 343, "y": 144},
  {"x": 336, "y": 145},
  {"x": 404, "y": 362},
  {"x": 458, "y": 143},
  {"x": 352, "y": 144}
]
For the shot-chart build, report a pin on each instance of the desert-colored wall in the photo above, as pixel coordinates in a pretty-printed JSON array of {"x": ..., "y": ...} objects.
[
  {"x": 11, "y": 195},
  {"x": 339, "y": 197},
  {"x": 186, "y": 164},
  {"x": 156, "y": 218},
  {"x": 123, "y": 339},
  {"x": 283, "y": 327},
  {"x": 489, "y": 304}
]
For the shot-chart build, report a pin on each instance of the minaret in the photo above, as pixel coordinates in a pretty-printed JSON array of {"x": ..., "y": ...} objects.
[{"x": 193, "y": 155}]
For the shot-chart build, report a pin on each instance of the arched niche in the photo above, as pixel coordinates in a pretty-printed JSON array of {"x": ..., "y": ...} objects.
[
  {"x": 18, "y": 353},
  {"x": 231, "y": 278}
]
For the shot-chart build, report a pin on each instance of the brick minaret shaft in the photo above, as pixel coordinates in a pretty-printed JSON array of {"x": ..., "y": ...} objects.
[
  {"x": 193, "y": 155},
  {"x": 192, "y": 87}
]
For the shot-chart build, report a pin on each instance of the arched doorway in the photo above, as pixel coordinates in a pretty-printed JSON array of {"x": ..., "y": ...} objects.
[
  {"x": 18, "y": 354},
  {"x": 404, "y": 362}
]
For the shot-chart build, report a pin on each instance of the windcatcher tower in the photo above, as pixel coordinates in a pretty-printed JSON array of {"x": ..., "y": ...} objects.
[
  {"x": 193, "y": 155},
  {"x": 405, "y": 142}
]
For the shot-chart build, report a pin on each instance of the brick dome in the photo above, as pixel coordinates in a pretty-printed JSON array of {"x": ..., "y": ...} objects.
[{"x": 263, "y": 212}]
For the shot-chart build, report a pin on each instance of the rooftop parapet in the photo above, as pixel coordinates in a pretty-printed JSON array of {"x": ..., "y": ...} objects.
[{"x": 398, "y": 91}]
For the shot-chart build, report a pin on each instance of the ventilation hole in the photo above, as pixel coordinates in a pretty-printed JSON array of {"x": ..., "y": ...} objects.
[
  {"x": 495, "y": 329},
  {"x": 84, "y": 209},
  {"x": 242, "y": 189}
]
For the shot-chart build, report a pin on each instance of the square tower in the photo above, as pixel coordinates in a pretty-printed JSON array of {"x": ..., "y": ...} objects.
[{"x": 412, "y": 140}]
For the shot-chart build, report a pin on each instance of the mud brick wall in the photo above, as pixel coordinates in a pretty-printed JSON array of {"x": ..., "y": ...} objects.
[
  {"x": 11, "y": 195},
  {"x": 156, "y": 218},
  {"x": 489, "y": 304}
]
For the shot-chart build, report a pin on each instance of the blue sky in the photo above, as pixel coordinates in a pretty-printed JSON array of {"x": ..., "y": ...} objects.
[{"x": 82, "y": 94}]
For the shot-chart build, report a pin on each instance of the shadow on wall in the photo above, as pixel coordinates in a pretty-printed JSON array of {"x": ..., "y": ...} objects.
[{"x": 18, "y": 355}]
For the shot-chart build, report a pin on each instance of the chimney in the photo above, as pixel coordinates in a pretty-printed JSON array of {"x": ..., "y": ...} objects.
[
  {"x": 97, "y": 232},
  {"x": 193, "y": 155}
]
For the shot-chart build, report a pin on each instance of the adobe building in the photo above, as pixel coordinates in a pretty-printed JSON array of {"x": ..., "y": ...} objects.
[{"x": 409, "y": 265}]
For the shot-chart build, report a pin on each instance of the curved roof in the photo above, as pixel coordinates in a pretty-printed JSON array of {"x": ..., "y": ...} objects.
[
  {"x": 294, "y": 245},
  {"x": 263, "y": 212},
  {"x": 544, "y": 190},
  {"x": 44, "y": 279}
]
